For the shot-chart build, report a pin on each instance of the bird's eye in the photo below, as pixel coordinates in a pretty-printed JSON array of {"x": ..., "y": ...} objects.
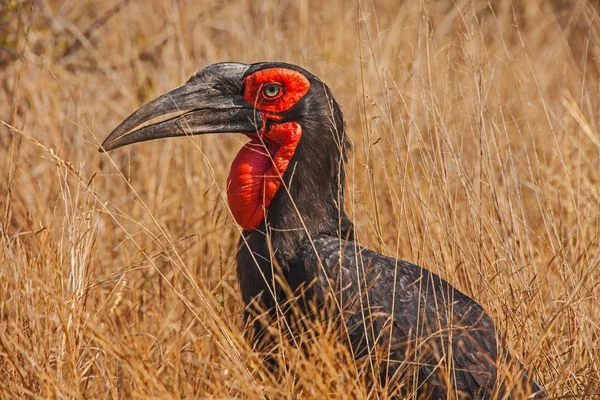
[{"x": 272, "y": 90}]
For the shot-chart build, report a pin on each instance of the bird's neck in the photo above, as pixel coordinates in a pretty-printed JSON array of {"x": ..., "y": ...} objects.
[{"x": 308, "y": 203}]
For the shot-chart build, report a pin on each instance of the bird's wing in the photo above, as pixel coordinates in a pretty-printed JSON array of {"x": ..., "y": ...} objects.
[{"x": 419, "y": 318}]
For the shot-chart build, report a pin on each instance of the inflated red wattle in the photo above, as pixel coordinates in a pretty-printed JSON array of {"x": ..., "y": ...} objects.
[{"x": 256, "y": 172}]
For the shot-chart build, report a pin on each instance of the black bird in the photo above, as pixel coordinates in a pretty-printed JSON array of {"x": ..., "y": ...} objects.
[{"x": 286, "y": 190}]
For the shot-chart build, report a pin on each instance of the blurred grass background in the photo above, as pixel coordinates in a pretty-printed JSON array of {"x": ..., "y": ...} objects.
[{"x": 475, "y": 127}]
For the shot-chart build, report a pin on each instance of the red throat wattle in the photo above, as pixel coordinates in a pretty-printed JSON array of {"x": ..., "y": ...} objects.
[{"x": 256, "y": 173}]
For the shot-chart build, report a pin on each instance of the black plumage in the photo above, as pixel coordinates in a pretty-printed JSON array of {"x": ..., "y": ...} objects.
[{"x": 304, "y": 254}]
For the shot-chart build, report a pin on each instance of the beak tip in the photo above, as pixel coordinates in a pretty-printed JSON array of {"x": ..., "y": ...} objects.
[{"x": 104, "y": 147}]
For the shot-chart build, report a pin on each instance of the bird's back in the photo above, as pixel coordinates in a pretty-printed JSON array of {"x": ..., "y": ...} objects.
[{"x": 418, "y": 323}]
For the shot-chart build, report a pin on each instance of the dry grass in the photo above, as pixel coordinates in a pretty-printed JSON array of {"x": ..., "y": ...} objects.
[{"x": 476, "y": 133}]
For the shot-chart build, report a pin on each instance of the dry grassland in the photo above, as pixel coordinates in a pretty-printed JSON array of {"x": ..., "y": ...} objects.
[{"x": 476, "y": 133}]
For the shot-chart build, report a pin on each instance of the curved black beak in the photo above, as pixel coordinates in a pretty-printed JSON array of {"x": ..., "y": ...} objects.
[{"x": 212, "y": 103}]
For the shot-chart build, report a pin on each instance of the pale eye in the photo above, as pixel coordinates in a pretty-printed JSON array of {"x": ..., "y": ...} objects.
[{"x": 271, "y": 90}]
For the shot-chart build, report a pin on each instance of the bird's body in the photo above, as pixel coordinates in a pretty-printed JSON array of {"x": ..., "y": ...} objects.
[{"x": 297, "y": 250}]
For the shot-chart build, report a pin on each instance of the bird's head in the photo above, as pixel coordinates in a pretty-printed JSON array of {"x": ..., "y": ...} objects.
[{"x": 289, "y": 115}]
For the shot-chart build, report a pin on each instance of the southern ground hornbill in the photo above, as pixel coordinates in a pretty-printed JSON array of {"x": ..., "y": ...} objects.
[{"x": 286, "y": 190}]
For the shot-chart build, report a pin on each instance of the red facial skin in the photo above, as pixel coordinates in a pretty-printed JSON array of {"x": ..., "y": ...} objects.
[
  {"x": 293, "y": 83},
  {"x": 256, "y": 171}
]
